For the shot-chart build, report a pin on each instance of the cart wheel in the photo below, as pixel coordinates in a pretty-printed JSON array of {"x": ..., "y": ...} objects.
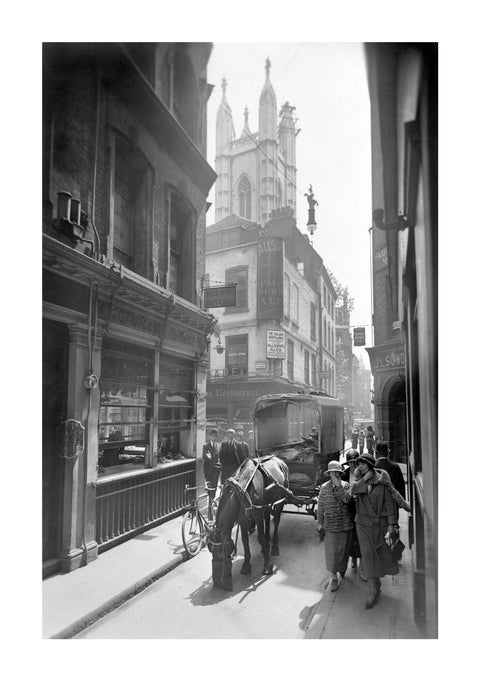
[{"x": 193, "y": 532}]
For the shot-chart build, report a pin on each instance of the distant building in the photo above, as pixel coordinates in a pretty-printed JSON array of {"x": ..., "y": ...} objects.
[
  {"x": 285, "y": 307},
  {"x": 125, "y": 183},
  {"x": 282, "y": 283},
  {"x": 256, "y": 172}
]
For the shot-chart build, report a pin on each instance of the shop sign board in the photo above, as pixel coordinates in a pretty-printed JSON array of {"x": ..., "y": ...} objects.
[
  {"x": 359, "y": 335},
  {"x": 275, "y": 344},
  {"x": 220, "y": 296},
  {"x": 324, "y": 374}
]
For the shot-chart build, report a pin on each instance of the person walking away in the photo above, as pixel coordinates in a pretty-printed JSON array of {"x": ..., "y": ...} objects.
[
  {"x": 361, "y": 441},
  {"x": 230, "y": 456},
  {"x": 375, "y": 521},
  {"x": 242, "y": 445},
  {"x": 211, "y": 465},
  {"x": 354, "y": 438},
  {"x": 382, "y": 456},
  {"x": 334, "y": 520},
  {"x": 369, "y": 439},
  {"x": 251, "y": 443},
  {"x": 348, "y": 475}
]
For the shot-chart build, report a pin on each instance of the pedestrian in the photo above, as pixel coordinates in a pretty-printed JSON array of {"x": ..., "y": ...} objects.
[
  {"x": 230, "y": 456},
  {"x": 361, "y": 441},
  {"x": 354, "y": 438},
  {"x": 396, "y": 483},
  {"x": 242, "y": 445},
  {"x": 251, "y": 443},
  {"x": 369, "y": 439},
  {"x": 334, "y": 522},
  {"x": 375, "y": 521},
  {"x": 348, "y": 475},
  {"x": 382, "y": 456},
  {"x": 211, "y": 465}
]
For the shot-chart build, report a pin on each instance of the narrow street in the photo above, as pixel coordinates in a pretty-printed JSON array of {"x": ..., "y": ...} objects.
[
  {"x": 183, "y": 604},
  {"x": 293, "y": 603}
]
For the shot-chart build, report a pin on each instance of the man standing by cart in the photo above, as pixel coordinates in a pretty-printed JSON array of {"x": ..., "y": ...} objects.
[{"x": 230, "y": 456}]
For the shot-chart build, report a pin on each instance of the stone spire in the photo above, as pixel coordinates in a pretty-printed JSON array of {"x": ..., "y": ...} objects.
[
  {"x": 267, "y": 128},
  {"x": 246, "y": 129},
  {"x": 225, "y": 132}
]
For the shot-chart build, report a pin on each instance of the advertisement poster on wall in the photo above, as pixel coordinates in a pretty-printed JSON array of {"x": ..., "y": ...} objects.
[{"x": 270, "y": 279}]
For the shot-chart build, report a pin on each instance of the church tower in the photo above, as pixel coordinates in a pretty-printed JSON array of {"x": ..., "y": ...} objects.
[
  {"x": 225, "y": 134},
  {"x": 257, "y": 171}
]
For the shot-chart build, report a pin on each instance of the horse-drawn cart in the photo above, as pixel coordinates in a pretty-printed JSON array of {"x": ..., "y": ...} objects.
[{"x": 306, "y": 431}]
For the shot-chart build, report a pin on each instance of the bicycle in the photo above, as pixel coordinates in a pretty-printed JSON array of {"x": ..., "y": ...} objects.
[{"x": 196, "y": 529}]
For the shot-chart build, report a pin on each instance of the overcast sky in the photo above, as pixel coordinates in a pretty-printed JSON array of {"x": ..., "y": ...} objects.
[{"x": 326, "y": 82}]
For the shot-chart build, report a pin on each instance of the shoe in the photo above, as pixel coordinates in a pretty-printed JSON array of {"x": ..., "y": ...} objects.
[
  {"x": 371, "y": 601},
  {"x": 334, "y": 584}
]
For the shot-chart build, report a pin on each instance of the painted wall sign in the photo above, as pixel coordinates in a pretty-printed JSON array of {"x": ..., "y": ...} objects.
[
  {"x": 220, "y": 296},
  {"x": 275, "y": 344},
  {"x": 270, "y": 278},
  {"x": 390, "y": 360}
]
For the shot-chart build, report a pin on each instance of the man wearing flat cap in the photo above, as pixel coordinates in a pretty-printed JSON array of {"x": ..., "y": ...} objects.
[{"x": 231, "y": 456}]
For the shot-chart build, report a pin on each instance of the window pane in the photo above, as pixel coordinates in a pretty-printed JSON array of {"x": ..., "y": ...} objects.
[
  {"x": 236, "y": 355},
  {"x": 125, "y": 404}
]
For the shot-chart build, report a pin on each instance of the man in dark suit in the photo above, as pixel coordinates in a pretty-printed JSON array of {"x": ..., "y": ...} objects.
[
  {"x": 211, "y": 465},
  {"x": 230, "y": 456},
  {"x": 393, "y": 469},
  {"x": 242, "y": 445}
]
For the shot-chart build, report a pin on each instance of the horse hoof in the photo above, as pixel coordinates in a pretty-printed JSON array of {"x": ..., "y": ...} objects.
[
  {"x": 268, "y": 570},
  {"x": 274, "y": 551},
  {"x": 246, "y": 569}
]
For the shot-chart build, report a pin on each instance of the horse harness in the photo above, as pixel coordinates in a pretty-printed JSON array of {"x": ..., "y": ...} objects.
[{"x": 241, "y": 490}]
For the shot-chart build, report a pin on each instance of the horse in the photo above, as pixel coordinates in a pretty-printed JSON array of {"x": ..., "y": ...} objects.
[{"x": 258, "y": 489}]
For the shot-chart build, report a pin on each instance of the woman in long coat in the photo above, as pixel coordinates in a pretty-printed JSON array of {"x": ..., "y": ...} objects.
[
  {"x": 375, "y": 520},
  {"x": 334, "y": 519}
]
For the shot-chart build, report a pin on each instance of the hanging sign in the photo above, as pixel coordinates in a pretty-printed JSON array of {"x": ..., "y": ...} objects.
[
  {"x": 220, "y": 296},
  {"x": 359, "y": 335}
]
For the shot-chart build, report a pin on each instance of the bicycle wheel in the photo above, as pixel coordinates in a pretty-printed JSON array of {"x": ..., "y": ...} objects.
[{"x": 193, "y": 532}]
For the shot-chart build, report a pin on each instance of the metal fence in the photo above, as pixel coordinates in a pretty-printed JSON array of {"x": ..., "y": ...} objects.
[{"x": 123, "y": 506}]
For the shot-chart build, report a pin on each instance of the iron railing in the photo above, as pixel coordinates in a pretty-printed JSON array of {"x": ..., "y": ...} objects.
[{"x": 125, "y": 505}]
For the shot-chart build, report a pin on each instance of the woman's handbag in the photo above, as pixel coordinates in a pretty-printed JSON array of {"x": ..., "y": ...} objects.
[{"x": 396, "y": 546}]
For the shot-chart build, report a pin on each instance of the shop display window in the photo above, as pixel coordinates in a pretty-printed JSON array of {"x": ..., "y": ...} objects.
[
  {"x": 126, "y": 398},
  {"x": 175, "y": 410}
]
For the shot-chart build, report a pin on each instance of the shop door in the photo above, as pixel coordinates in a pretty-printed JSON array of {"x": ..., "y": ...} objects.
[
  {"x": 397, "y": 418},
  {"x": 54, "y": 398}
]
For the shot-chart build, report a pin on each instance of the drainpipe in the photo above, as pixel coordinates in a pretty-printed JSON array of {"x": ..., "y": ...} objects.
[{"x": 95, "y": 162}]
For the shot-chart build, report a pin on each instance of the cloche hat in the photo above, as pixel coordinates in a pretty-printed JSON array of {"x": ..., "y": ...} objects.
[
  {"x": 367, "y": 458},
  {"x": 334, "y": 467}
]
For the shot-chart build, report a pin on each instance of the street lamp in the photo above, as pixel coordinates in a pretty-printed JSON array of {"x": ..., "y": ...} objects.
[{"x": 219, "y": 347}]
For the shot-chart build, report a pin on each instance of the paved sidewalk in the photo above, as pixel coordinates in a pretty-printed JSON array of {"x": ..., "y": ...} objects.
[
  {"x": 342, "y": 614},
  {"x": 75, "y": 599}
]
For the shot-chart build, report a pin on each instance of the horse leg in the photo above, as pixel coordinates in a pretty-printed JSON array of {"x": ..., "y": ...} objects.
[
  {"x": 246, "y": 567},
  {"x": 267, "y": 565},
  {"x": 276, "y": 520}
]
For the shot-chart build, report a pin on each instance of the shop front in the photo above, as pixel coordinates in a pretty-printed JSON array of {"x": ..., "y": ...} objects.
[
  {"x": 125, "y": 363},
  {"x": 230, "y": 404},
  {"x": 388, "y": 368}
]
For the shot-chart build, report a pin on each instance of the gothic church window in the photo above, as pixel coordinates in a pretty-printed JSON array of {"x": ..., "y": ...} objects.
[{"x": 245, "y": 198}]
